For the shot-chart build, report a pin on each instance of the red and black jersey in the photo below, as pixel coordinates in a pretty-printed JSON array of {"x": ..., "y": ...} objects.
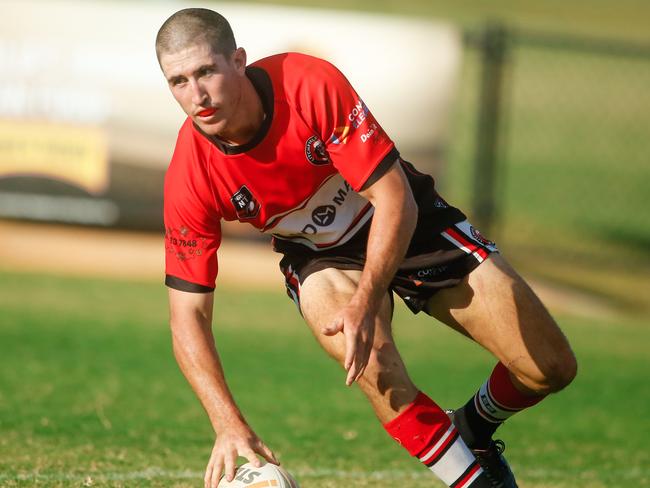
[{"x": 297, "y": 179}]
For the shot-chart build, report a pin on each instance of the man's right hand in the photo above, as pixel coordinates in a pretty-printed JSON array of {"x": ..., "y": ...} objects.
[
  {"x": 196, "y": 353},
  {"x": 230, "y": 444}
]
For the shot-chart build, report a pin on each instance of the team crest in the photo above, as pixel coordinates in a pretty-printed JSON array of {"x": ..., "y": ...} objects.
[
  {"x": 315, "y": 151},
  {"x": 479, "y": 237},
  {"x": 246, "y": 206}
]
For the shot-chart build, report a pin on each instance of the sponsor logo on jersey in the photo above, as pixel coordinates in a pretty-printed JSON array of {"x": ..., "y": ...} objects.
[
  {"x": 315, "y": 151},
  {"x": 479, "y": 237},
  {"x": 358, "y": 114},
  {"x": 324, "y": 215},
  {"x": 342, "y": 193},
  {"x": 183, "y": 243},
  {"x": 246, "y": 206},
  {"x": 372, "y": 131},
  {"x": 340, "y": 135}
]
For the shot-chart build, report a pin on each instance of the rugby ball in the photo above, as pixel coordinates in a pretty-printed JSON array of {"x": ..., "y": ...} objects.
[{"x": 268, "y": 476}]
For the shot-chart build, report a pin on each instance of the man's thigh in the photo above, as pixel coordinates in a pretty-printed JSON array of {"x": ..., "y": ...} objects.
[
  {"x": 385, "y": 381},
  {"x": 322, "y": 295},
  {"x": 495, "y": 307}
]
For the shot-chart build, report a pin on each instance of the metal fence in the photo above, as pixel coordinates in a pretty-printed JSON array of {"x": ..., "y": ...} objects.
[{"x": 555, "y": 146}]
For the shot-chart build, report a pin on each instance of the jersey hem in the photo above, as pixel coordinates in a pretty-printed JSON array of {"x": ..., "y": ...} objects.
[
  {"x": 184, "y": 285},
  {"x": 391, "y": 153},
  {"x": 381, "y": 169}
]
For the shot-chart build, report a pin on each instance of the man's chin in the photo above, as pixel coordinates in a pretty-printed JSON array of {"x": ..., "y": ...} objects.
[{"x": 209, "y": 128}]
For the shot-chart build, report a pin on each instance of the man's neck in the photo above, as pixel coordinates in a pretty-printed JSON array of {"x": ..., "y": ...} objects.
[{"x": 251, "y": 120}]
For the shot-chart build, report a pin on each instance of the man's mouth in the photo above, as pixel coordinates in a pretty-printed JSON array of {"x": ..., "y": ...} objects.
[{"x": 207, "y": 112}]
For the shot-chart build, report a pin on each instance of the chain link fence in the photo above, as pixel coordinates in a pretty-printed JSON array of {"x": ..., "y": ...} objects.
[{"x": 552, "y": 156}]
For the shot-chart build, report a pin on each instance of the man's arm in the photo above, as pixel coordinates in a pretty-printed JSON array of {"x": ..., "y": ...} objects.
[
  {"x": 196, "y": 354},
  {"x": 392, "y": 227}
]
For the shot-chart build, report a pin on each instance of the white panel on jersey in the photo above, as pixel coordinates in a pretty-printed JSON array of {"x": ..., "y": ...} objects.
[{"x": 329, "y": 218}]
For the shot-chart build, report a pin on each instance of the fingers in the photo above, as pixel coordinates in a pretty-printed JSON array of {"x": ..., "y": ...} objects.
[
  {"x": 231, "y": 466},
  {"x": 361, "y": 371},
  {"x": 267, "y": 454},
  {"x": 356, "y": 369},
  {"x": 213, "y": 473},
  {"x": 208, "y": 476},
  {"x": 252, "y": 458},
  {"x": 227, "y": 448},
  {"x": 358, "y": 345},
  {"x": 349, "y": 364},
  {"x": 358, "y": 349},
  {"x": 216, "y": 467},
  {"x": 368, "y": 341},
  {"x": 356, "y": 356}
]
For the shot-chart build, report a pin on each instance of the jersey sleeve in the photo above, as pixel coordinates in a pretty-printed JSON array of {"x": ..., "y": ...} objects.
[
  {"x": 192, "y": 229},
  {"x": 355, "y": 142}
]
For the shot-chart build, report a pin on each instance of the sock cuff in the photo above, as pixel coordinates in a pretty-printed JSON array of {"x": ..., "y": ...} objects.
[
  {"x": 505, "y": 394},
  {"x": 418, "y": 425}
]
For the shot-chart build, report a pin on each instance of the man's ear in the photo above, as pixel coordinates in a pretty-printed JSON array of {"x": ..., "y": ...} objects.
[{"x": 239, "y": 59}]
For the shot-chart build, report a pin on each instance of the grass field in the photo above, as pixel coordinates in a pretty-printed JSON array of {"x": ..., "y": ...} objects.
[{"x": 90, "y": 394}]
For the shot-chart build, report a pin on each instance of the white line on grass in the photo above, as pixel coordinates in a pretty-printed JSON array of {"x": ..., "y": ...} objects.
[{"x": 159, "y": 473}]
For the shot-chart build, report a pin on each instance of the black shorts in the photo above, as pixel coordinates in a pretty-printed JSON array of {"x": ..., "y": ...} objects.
[{"x": 439, "y": 261}]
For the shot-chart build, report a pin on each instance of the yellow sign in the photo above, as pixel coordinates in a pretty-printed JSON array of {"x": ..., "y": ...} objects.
[{"x": 73, "y": 154}]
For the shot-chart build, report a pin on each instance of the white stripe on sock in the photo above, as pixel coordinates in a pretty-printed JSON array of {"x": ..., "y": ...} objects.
[
  {"x": 437, "y": 445},
  {"x": 454, "y": 463},
  {"x": 488, "y": 406}
]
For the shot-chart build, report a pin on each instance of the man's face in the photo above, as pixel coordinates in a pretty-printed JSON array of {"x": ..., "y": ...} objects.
[{"x": 207, "y": 86}]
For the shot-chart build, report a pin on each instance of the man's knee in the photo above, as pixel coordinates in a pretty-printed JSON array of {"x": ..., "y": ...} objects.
[
  {"x": 552, "y": 376},
  {"x": 563, "y": 372}
]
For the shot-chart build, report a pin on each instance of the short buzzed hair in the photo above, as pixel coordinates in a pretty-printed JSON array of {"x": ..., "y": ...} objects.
[{"x": 192, "y": 26}]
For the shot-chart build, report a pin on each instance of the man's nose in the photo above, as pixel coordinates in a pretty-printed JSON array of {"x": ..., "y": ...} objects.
[{"x": 198, "y": 93}]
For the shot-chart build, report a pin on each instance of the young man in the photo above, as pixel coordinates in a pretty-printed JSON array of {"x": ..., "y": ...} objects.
[{"x": 286, "y": 145}]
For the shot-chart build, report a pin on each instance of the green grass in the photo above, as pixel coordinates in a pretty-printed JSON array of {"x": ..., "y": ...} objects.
[{"x": 90, "y": 393}]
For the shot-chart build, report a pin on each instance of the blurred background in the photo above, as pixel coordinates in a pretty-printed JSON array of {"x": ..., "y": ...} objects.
[{"x": 534, "y": 118}]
